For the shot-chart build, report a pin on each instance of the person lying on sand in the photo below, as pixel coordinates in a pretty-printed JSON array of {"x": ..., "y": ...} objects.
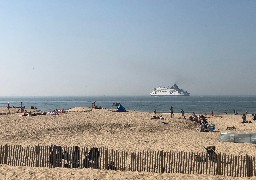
[
  {"x": 244, "y": 119},
  {"x": 157, "y": 117}
]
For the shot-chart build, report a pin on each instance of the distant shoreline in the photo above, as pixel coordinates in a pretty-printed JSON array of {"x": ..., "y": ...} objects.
[{"x": 197, "y": 104}]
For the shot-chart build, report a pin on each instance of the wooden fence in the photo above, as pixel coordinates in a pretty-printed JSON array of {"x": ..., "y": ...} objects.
[{"x": 148, "y": 161}]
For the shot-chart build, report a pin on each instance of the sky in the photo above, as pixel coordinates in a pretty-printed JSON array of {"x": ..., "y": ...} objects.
[{"x": 127, "y": 47}]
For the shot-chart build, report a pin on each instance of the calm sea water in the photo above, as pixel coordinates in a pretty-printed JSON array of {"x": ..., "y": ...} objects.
[{"x": 197, "y": 104}]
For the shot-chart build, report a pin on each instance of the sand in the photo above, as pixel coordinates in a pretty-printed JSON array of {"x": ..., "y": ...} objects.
[
  {"x": 129, "y": 131},
  {"x": 9, "y": 172}
]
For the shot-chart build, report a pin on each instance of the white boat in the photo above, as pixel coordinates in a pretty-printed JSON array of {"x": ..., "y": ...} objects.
[{"x": 173, "y": 91}]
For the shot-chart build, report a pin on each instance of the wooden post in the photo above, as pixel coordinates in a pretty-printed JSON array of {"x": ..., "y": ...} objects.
[
  {"x": 137, "y": 161},
  {"x": 122, "y": 161},
  {"x": 125, "y": 160},
  {"x": 16, "y": 156},
  {"x": 234, "y": 169},
  {"x": 240, "y": 165},
  {"x": 149, "y": 161},
  {"x": 1, "y": 154},
  {"x": 203, "y": 163},
  {"x": 26, "y": 156},
  {"x": 168, "y": 162},
  {"x": 54, "y": 156},
  {"x": 154, "y": 162},
  {"x": 106, "y": 158},
  {"x": 243, "y": 167},
  {"x": 157, "y": 162},
  {"x": 249, "y": 166},
  {"x": 37, "y": 149},
  {"x": 5, "y": 153},
  {"x": 181, "y": 162},
  {"x": 174, "y": 162},
  {"x": 100, "y": 157},
  {"x": 42, "y": 156},
  {"x": 117, "y": 159},
  {"x": 48, "y": 158},
  {"x": 186, "y": 162},
  {"x": 162, "y": 161},
  {"x": 224, "y": 164},
  {"x": 190, "y": 155},
  {"x": 253, "y": 166},
  {"x": 10, "y": 155},
  {"x": 219, "y": 164}
]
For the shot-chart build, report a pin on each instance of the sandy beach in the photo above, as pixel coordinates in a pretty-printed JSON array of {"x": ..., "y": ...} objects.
[{"x": 129, "y": 131}]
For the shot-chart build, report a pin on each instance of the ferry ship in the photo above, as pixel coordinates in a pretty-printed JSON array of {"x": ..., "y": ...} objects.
[{"x": 173, "y": 91}]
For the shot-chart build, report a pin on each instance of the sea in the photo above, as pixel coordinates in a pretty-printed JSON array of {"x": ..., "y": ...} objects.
[{"x": 197, "y": 104}]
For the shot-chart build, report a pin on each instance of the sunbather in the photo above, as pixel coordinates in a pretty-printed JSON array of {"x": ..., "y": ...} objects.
[
  {"x": 155, "y": 117},
  {"x": 254, "y": 116},
  {"x": 244, "y": 119}
]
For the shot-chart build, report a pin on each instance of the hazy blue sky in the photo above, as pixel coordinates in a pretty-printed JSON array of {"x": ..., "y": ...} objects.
[{"x": 127, "y": 47}]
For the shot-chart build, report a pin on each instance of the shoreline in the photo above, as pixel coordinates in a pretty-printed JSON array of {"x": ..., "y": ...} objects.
[{"x": 205, "y": 104}]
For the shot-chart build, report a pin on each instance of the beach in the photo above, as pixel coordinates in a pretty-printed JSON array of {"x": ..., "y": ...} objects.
[
  {"x": 9, "y": 172},
  {"x": 131, "y": 131}
]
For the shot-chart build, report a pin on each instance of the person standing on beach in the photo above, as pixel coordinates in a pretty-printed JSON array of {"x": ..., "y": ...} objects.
[
  {"x": 94, "y": 104},
  {"x": 244, "y": 118},
  {"x": 171, "y": 111},
  {"x": 8, "y": 107},
  {"x": 182, "y": 113}
]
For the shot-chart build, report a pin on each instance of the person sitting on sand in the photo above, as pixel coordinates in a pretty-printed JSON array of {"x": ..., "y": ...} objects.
[
  {"x": 203, "y": 118},
  {"x": 190, "y": 118},
  {"x": 24, "y": 114},
  {"x": 244, "y": 119},
  {"x": 155, "y": 117},
  {"x": 195, "y": 118},
  {"x": 203, "y": 127},
  {"x": 254, "y": 117}
]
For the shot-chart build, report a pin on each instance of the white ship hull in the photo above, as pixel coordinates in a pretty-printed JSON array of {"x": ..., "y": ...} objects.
[
  {"x": 173, "y": 91},
  {"x": 168, "y": 94}
]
